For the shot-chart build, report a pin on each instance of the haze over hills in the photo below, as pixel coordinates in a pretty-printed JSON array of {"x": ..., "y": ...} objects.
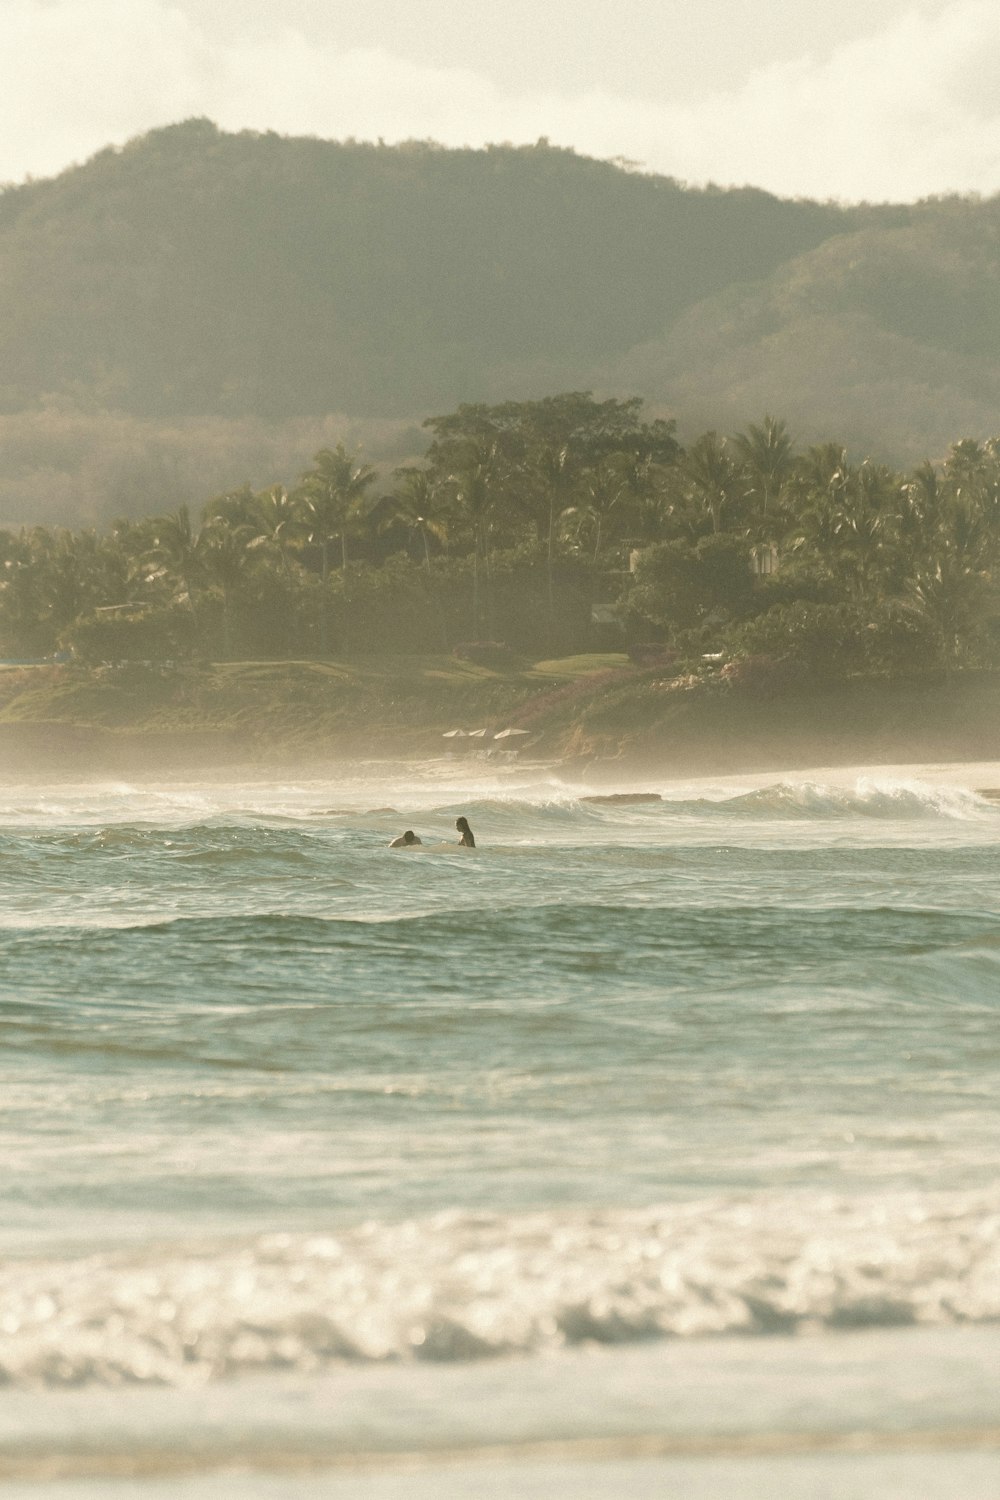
[
  {"x": 887, "y": 337},
  {"x": 200, "y": 272},
  {"x": 199, "y": 309}
]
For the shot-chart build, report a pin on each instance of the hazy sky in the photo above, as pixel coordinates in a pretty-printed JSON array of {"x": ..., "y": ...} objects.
[{"x": 858, "y": 99}]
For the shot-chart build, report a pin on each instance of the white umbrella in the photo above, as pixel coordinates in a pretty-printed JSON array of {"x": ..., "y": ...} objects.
[
  {"x": 477, "y": 734},
  {"x": 453, "y": 734},
  {"x": 505, "y": 734}
]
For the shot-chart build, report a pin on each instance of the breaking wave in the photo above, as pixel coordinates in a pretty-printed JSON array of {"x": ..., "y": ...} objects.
[
  {"x": 783, "y": 800},
  {"x": 116, "y": 819},
  {"x": 459, "y": 1286},
  {"x": 868, "y": 798}
]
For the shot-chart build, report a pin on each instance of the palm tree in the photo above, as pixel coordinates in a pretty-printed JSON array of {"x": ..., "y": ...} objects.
[
  {"x": 235, "y": 506},
  {"x": 477, "y": 486},
  {"x": 276, "y": 522},
  {"x": 819, "y": 470},
  {"x": 557, "y": 465},
  {"x": 768, "y": 457},
  {"x": 952, "y": 590},
  {"x": 923, "y": 501},
  {"x": 73, "y": 575},
  {"x": 712, "y": 479},
  {"x": 647, "y": 499},
  {"x": 224, "y": 557},
  {"x": 603, "y": 488},
  {"x": 332, "y": 494},
  {"x": 23, "y": 592},
  {"x": 972, "y": 473},
  {"x": 174, "y": 548},
  {"x": 866, "y": 516},
  {"x": 966, "y": 463},
  {"x": 420, "y": 505}
]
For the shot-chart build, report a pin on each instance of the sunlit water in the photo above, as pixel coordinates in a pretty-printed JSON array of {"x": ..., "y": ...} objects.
[{"x": 281, "y": 1105}]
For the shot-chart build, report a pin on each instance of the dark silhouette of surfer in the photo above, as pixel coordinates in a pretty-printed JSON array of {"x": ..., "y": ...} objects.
[
  {"x": 406, "y": 840},
  {"x": 467, "y": 840}
]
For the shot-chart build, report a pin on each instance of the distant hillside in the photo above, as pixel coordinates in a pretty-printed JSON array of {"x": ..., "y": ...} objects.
[
  {"x": 197, "y": 272},
  {"x": 888, "y": 337},
  {"x": 185, "y": 313}
]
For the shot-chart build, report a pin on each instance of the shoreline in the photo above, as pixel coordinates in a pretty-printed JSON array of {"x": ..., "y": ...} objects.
[
  {"x": 753, "y": 1409},
  {"x": 592, "y": 725},
  {"x": 183, "y": 762}
]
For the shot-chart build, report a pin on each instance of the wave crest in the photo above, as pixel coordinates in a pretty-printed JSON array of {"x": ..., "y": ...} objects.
[
  {"x": 461, "y": 1286},
  {"x": 867, "y": 798}
]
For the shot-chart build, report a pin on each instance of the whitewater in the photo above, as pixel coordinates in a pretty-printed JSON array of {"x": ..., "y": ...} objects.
[{"x": 648, "y": 1148}]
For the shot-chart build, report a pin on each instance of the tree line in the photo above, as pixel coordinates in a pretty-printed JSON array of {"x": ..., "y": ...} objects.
[{"x": 544, "y": 527}]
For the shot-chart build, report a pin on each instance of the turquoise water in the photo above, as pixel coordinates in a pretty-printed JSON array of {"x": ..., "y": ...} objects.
[{"x": 283, "y": 1106}]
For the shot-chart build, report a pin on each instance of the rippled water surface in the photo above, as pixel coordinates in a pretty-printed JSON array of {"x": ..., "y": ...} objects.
[{"x": 280, "y": 1100}]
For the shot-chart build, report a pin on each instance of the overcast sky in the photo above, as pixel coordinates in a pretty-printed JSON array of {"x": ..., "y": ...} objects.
[{"x": 878, "y": 99}]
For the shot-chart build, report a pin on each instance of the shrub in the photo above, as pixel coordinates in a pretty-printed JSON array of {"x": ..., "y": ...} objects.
[
  {"x": 397, "y": 607},
  {"x": 679, "y": 583},
  {"x": 151, "y": 635},
  {"x": 493, "y": 654},
  {"x": 824, "y": 639},
  {"x": 828, "y": 641}
]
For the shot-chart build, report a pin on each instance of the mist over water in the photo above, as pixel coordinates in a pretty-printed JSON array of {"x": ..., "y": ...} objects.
[{"x": 281, "y": 1101}]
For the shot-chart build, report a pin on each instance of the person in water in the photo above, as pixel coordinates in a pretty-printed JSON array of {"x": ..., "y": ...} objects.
[
  {"x": 467, "y": 840},
  {"x": 406, "y": 840}
]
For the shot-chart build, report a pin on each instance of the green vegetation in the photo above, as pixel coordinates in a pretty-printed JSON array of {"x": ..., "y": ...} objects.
[
  {"x": 649, "y": 584},
  {"x": 181, "y": 321},
  {"x": 207, "y": 719},
  {"x": 197, "y": 272},
  {"x": 270, "y": 704},
  {"x": 891, "y": 332},
  {"x": 199, "y": 308}
]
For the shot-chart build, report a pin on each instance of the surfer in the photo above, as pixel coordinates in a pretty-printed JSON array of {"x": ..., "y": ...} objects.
[
  {"x": 467, "y": 840},
  {"x": 406, "y": 840}
]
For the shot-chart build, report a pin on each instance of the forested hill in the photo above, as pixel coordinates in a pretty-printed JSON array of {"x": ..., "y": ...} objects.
[
  {"x": 200, "y": 309},
  {"x": 197, "y": 272}
]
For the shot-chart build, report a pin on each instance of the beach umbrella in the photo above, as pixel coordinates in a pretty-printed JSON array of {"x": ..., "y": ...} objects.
[
  {"x": 505, "y": 734},
  {"x": 453, "y": 734}
]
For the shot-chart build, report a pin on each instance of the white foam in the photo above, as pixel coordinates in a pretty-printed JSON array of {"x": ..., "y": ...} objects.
[{"x": 461, "y": 1286}]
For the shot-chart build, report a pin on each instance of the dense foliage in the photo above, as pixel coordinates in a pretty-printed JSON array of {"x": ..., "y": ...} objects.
[{"x": 546, "y": 527}]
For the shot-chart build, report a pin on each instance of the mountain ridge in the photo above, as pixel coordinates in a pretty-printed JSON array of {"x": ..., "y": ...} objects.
[{"x": 255, "y": 281}]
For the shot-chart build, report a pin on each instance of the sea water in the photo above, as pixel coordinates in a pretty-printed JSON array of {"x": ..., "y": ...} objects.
[{"x": 647, "y": 1148}]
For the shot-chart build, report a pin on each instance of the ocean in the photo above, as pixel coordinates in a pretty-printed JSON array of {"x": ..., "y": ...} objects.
[{"x": 647, "y": 1149}]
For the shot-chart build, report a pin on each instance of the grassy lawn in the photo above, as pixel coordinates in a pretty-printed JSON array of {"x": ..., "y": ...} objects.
[{"x": 580, "y": 666}]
